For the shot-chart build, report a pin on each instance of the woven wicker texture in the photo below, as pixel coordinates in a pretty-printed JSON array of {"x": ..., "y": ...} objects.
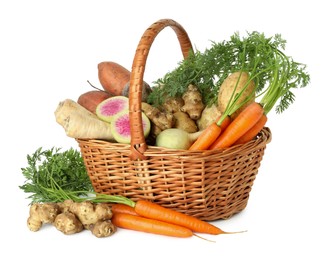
[{"x": 210, "y": 185}]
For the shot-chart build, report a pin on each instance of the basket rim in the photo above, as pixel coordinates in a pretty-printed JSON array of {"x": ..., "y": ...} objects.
[{"x": 263, "y": 138}]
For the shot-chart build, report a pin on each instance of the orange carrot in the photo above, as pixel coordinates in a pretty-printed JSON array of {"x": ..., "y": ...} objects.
[
  {"x": 138, "y": 223},
  {"x": 209, "y": 135},
  {"x": 239, "y": 126},
  {"x": 122, "y": 208},
  {"x": 252, "y": 132},
  {"x": 154, "y": 211}
]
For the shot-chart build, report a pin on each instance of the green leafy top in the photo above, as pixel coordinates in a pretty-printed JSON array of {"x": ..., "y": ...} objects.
[
  {"x": 261, "y": 57},
  {"x": 50, "y": 170},
  {"x": 54, "y": 176}
]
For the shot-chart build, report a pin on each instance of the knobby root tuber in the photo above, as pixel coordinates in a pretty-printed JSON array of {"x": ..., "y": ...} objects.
[
  {"x": 42, "y": 214},
  {"x": 68, "y": 223},
  {"x": 103, "y": 228},
  {"x": 209, "y": 115},
  {"x": 72, "y": 217},
  {"x": 184, "y": 122},
  {"x": 173, "y": 105},
  {"x": 193, "y": 104},
  {"x": 89, "y": 213},
  {"x": 160, "y": 120}
]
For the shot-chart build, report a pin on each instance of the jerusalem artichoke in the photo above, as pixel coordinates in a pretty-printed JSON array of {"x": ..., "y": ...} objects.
[
  {"x": 193, "y": 104},
  {"x": 68, "y": 223},
  {"x": 209, "y": 115},
  {"x": 89, "y": 213},
  {"x": 184, "y": 122},
  {"x": 161, "y": 120},
  {"x": 71, "y": 217},
  {"x": 103, "y": 228},
  {"x": 41, "y": 214}
]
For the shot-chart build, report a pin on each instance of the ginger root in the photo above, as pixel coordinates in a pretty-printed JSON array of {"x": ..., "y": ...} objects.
[{"x": 193, "y": 104}]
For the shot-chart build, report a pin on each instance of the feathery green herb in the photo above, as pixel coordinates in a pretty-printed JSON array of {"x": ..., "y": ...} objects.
[
  {"x": 274, "y": 73},
  {"x": 50, "y": 170},
  {"x": 54, "y": 176}
]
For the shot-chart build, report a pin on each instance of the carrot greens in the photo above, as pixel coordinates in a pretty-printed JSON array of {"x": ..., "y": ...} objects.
[
  {"x": 53, "y": 175},
  {"x": 49, "y": 169},
  {"x": 262, "y": 57}
]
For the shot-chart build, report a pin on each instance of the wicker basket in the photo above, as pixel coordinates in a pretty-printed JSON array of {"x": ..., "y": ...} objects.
[{"x": 209, "y": 185}]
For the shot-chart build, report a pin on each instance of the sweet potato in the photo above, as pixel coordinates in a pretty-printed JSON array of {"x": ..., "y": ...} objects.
[
  {"x": 113, "y": 77},
  {"x": 91, "y": 99}
]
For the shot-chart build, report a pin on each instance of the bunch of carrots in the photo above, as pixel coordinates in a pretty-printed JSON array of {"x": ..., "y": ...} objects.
[
  {"x": 149, "y": 217},
  {"x": 283, "y": 74},
  {"x": 225, "y": 133}
]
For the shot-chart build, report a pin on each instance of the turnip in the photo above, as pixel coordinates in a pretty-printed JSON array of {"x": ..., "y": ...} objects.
[{"x": 174, "y": 138}]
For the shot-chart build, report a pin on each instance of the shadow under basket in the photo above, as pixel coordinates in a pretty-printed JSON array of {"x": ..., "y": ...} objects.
[{"x": 210, "y": 185}]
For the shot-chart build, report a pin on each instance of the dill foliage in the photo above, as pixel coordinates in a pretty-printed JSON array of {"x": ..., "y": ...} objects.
[{"x": 262, "y": 57}]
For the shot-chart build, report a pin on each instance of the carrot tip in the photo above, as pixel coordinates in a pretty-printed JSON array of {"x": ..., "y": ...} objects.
[
  {"x": 204, "y": 238},
  {"x": 235, "y": 232}
]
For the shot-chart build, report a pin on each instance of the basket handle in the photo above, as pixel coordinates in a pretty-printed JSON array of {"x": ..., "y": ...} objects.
[{"x": 138, "y": 143}]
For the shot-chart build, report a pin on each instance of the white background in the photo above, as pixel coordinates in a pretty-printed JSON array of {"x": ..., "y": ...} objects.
[{"x": 48, "y": 51}]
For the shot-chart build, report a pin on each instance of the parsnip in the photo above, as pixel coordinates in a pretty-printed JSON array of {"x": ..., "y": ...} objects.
[{"x": 78, "y": 122}]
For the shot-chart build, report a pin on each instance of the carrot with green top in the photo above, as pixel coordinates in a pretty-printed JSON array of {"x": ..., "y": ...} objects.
[
  {"x": 239, "y": 126},
  {"x": 122, "y": 208},
  {"x": 151, "y": 210},
  {"x": 233, "y": 102},
  {"x": 154, "y": 211},
  {"x": 252, "y": 132},
  {"x": 210, "y": 134}
]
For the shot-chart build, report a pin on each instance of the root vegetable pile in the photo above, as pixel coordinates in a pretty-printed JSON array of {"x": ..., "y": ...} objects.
[
  {"x": 72, "y": 217},
  {"x": 200, "y": 94}
]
